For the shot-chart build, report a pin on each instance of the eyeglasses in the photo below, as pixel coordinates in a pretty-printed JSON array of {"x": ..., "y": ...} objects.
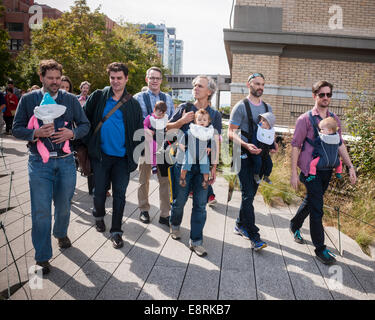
[
  {"x": 254, "y": 75},
  {"x": 154, "y": 79},
  {"x": 322, "y": 95}
]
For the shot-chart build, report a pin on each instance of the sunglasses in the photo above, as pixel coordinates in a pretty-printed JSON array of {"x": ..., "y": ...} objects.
[
  {"x": 322, "y": 95},
  {"x": 254, "y": 75}
]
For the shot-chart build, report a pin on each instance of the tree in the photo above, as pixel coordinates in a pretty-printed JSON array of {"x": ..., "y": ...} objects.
[
  {"x": 5, "y": 57},
  {"x": 80, "y": 41}
]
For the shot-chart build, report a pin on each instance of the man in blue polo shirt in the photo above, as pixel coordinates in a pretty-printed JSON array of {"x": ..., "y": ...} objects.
[{"x": 111, "y": 147}]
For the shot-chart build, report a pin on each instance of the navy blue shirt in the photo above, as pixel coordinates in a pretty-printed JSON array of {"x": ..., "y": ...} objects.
[
  {"x": 214, "y": 115},
  {"x": 113, "y": 131}
]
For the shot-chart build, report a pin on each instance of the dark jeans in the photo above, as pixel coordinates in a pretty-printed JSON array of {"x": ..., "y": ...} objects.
[
  {"x": 262, "y": 161},
  {"x": 8, "y": 123},
  {"x": 110, "y": 170},
  {"x": 249, "y": 189},
  {"x": 313, "y": 205}
]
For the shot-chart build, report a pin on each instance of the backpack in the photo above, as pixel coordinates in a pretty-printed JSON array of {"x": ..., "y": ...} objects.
[
  {"x": 249, "y": 135},
  {"x": 147, "y": 100},
  {"x": 328, "y": 153}
]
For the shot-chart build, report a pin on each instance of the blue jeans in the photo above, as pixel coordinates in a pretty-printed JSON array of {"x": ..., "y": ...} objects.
[
  {"x": 194, "y": 180},
  {"x": 52, "y": 181},
  {"x": 110, "y": 170},
  {"x": 249, "y": 189},
  {"x": 313, "y": 205}
]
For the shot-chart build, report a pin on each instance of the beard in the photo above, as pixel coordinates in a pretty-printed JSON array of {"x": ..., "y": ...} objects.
[{"x": 256, "y": 93}]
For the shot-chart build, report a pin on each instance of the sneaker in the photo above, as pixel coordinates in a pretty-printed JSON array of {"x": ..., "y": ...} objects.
[
  {"x": 241, "y": 231},
  {"x": 100, "y": 225},
  {"x": 199, "y": 250},
  {"x": 154, "y": 170},
  {"x": 326, "y": 257},
  {"x": 46, "y": 267},
  {"x": 175, "y": 234},
  {"x": 297, "y": 236},
  {"x": 267, "y": 179},
  {"x": 258, "y": 245},
  {"x": 211, "y": 200},
  {"x": 117, "y": 241},
  {"x": 338, "y": 176},
  {"x": 144, "y": 217},
  {"x": 164, "y": 220},
  {"x": 311, "y": 177},
  {"x": 257, "y": 178},
  {"x": 64, "y": 242}
]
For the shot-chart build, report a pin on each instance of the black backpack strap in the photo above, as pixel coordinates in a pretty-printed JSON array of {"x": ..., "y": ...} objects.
[
  {"x": 162, "y": 96},
  {"x": 248, "y": 135},
  {"x": 147, "y": 100},
  {"x": 266, "y": 106}
]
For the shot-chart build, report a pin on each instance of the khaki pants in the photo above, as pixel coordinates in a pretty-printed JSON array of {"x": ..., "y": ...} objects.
[{"x": 143, "y": 189}]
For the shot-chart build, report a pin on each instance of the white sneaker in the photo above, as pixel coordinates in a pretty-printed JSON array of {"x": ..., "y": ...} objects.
[
  {"x": 199, "y": 250},
  {"x": 175, "y": 234}
]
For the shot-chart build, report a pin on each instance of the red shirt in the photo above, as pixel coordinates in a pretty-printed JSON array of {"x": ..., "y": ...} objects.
[{"x": 11, "y": 103}]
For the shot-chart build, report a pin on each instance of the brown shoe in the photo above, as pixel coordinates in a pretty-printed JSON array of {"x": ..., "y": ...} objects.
[
  {"x": 46, "y": 267},
  {"x": 64, "y": 243}
]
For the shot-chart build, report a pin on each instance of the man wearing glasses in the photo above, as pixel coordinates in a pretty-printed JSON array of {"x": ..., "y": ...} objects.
[
  {"x": 244, "y": 117},
  {"x": 301, "y": 156},
  {"x": 147, "y": 100}
]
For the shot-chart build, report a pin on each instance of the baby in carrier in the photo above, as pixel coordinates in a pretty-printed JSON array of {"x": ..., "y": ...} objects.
[
  {"x": 326, "y": 149},
  {"x": 264, "y": 138},
  {"x": 156, "y": 121},
  {"x": 196, "y": 143}
]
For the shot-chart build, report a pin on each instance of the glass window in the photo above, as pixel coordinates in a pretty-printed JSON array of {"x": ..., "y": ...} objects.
[{"x": 15, "y": 27}]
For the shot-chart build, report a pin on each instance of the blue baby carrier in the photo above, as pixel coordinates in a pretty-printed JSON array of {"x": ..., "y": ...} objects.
[{"x": 325, "y": 147}]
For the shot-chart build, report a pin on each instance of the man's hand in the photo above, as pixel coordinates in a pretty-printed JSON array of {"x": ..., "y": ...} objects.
[
  {"x": 212, "y": 175},
  {"x": 352, "y": 175},
  {"x": 45, "y": 131},
  {"x": 187, "y": 117},
  {"x": 253, "y": 149},
  {"x": 62, "y": 135},
  {"x": 294, "y": 181}
]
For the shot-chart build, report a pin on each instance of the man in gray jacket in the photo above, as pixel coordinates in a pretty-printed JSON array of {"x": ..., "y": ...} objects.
[{"x": 54, "y": 179}]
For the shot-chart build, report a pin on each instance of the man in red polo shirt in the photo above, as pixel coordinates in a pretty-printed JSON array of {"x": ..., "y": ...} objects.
[{"x": 301, "y": 156}]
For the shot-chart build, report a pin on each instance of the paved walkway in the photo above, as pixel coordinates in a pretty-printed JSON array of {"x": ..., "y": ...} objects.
[{"x": 152, "y": 265}]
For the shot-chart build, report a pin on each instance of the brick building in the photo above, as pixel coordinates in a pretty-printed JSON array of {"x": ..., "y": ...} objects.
[
  {"x": 16, "y": 21},
  {"x": 17, "y": 17},
  {"x": 296, "y": 43}
]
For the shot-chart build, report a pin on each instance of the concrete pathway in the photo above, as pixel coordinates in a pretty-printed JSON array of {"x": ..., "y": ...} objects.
[{"x": 152, "y": 265}]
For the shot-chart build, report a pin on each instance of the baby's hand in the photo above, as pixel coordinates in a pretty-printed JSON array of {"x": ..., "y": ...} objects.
[{"x": 208, "y": 150}]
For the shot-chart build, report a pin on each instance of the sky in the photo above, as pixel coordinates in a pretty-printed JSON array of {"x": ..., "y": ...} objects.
[{"x": 199, "y": 23}]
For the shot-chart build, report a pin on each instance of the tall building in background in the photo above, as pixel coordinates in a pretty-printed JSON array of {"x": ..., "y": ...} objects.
[
  {"x": 169, "y": 48},
  {"x": 176, "y": 49}
]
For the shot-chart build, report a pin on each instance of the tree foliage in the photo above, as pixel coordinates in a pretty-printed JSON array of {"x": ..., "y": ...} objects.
[
  {"x": 80, "y": 41},
  {"x": 360, "y": 120},
  {"x": 5, "y": 57}
]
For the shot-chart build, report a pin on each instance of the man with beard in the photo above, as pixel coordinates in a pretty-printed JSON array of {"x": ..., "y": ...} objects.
[
  {"x": 302, "y": 151},
  {"x": 244, "y": 117},
  {"x": 53, "y": 180}
]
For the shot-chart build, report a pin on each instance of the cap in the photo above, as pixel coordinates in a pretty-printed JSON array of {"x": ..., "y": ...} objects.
[
  {"x": 254, "y": 75},
  {"x": 270, "y": 117}
]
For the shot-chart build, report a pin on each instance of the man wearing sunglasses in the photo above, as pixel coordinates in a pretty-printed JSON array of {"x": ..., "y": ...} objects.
[
  {"x": 301, "y": 156},
  {"x": 244, "y": 117}
]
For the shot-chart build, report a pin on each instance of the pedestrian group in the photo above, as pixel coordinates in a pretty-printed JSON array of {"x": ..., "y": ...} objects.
[{"x": 124, "y": 132}]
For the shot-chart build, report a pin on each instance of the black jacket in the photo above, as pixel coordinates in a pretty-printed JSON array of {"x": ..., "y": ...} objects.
[{"x": 133, "y": 121}]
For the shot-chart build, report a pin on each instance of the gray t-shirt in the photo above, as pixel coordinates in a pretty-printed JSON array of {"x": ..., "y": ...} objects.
[{"x": 239, "y": 116}]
